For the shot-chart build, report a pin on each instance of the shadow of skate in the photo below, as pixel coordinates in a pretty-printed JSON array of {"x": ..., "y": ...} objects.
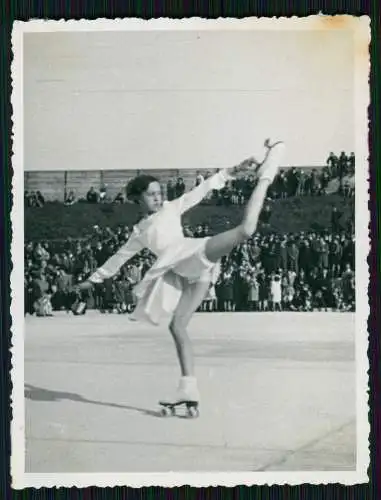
[{"x": 39, "y": 394}]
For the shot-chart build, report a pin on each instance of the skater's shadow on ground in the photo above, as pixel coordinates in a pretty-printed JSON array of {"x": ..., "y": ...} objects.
[{"x": 39, "y": 394}]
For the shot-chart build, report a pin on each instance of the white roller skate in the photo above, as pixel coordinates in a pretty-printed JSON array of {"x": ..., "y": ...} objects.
[
  {"x": 269, "y": 167},
  {"x": 187, "y": 396}
]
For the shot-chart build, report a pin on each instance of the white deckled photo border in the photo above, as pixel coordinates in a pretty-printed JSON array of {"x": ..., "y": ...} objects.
[{"x": 20, "y": 479}]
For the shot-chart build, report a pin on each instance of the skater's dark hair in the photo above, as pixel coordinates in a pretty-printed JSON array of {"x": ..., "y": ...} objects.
[{"x": 137, "y": 186}]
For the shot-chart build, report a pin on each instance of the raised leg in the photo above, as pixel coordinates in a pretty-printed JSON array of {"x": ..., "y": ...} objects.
[{"x": 223, "y": 243}]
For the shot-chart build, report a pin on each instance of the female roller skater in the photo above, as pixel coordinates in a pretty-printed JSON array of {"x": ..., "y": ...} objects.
[{"x": 178, "y": 281}]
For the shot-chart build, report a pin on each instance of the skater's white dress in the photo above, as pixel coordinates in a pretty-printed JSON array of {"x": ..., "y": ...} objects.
[{"x": 178, "y": 257}]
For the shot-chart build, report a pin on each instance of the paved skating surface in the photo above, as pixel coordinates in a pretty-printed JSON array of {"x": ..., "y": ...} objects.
[{"x": 278, "y": 393}]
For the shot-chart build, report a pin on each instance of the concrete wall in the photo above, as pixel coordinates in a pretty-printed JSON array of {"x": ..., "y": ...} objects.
[{"x": 52, "y": 183}]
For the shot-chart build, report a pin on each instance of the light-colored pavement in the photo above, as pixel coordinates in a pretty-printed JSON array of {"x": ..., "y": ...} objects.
[{"x": 278, "y": 393}]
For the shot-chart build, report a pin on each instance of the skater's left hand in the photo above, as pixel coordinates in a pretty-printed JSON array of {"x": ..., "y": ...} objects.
[
  {"x": 85, "y": 285},
  {"x": 244, "y": 166}
]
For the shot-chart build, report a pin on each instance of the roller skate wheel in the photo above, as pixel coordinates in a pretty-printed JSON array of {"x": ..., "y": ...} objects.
[
  {"x": 167, "y": 412},
  {"x": 193, "y": 412}
]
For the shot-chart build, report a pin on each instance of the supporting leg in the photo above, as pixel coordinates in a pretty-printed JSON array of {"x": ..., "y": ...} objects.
[{"x": 192, "y": 296}]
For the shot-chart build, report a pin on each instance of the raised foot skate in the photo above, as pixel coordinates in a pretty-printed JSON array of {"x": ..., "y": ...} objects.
[
  {"x": 170, "y": 409},
  {"x": 269, "y": 167}
]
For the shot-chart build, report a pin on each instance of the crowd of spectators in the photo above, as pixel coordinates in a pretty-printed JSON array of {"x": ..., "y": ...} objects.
[
  {"x": 298, "y": 272},
  {"x": 289, "y": 182}
]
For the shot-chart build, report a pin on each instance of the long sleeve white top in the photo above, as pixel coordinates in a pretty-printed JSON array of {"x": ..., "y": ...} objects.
[{"x": 161, "y": 230}]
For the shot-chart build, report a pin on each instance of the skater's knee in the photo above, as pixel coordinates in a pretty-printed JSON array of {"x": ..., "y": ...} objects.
[
  {"x": 177, "y": 327},
  {"x": 243, "y": 233}
]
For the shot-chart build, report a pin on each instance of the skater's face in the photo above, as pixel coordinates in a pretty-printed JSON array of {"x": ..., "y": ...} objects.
[{"x": 151, "y": 199}]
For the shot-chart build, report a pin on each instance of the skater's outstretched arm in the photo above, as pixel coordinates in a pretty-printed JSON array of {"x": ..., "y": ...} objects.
[
  {"x": 114, "y": 263},
  {"x": 216, "y": 181},
  {"x": 198, "y": 193}
]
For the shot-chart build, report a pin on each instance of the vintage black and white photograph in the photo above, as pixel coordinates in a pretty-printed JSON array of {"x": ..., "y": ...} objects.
[{"x": 190, "y": 224}]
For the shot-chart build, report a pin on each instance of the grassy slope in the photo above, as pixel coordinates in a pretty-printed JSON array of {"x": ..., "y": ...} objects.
[{"x": 55, "y": 221}]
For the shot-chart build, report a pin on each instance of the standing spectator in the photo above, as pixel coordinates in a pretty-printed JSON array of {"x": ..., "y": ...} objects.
[
  {"x": 253, "y": 298},
  {"x": 322, "y": 290},
  {"x": 348, "y": 254},
  {"x": 292, "y": 182},
  {"x": 254, "y": 252},
  {"x": 305, "y": 256},
  {"x": 335, "y": 220},
  {"x": 283, "y": 253},
  {"x": 41, "y": 295},
  {"x": 291, "y": 276},
  {"x": 171, "y": 193},
  {"x": 264, "y": 291},
  {"x": 315, "y": 184},
  {"x": 64, "y": 284},
  {"x": 265, "y": 216},
  {"x": 210, "y": 301},
  {"x": 180, "y": 187},
  {"x": 332, "y": 163},
  {"x": 276, "y": 293},
  {"x": 322, "y": 253},
  {"x": 288, "y": 293},
  {"x": 347, "y": 284},
  {"x": 293, "y": 256},
  {"x": 342, "y": 168},
  {"x": 335, "y": 255},
  {"x": 351, "y": 163},
  {"x": 199, "y": 178},
  {"x": 225, "y": 290}
]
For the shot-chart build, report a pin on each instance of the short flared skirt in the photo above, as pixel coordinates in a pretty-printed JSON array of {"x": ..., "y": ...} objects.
[{"x": 160, "y": 290}]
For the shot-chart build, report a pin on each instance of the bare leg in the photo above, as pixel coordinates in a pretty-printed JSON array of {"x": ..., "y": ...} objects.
[
  {"x": 222, "y": 244},
  {"x": 192, "y": 296}
]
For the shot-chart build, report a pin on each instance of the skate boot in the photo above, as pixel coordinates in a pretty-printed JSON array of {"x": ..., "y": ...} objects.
[
  {"x": 270, "y": 165},
  {"x": 187, "y": 396}
]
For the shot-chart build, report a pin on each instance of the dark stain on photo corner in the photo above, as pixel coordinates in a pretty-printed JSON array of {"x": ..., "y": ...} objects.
[{"x": 34, "y": 393}]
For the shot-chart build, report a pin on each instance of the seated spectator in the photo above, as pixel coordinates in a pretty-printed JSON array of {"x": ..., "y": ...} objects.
[
  {"x": 103, "y": 193},
  {"x": 70, "y": 198},
  {"x": 27, "y": 199},
  {"x": 199, "y": 232},
  {"x": 188, "y": 233},
  {"x": 92, "y": 196},
  {"x": 119, "y": 198},
  {"x": 40, "y": 200}
]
